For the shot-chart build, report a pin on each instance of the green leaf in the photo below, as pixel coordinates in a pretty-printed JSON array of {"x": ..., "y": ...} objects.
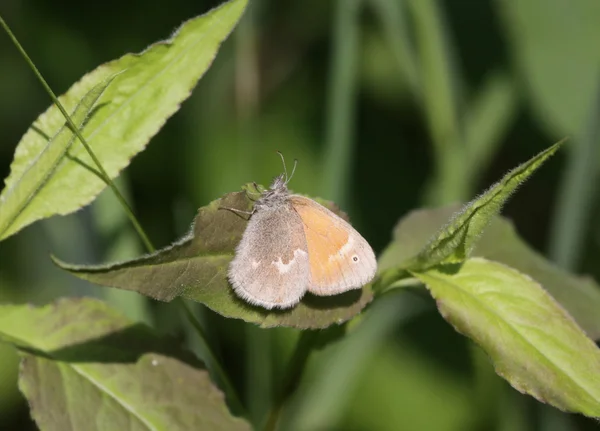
[
  {"x": 533, "y": 342},
  {"x": 196, "y": 268},
  {"x": 148, "y": 90},
  {"x": 547, "y": 39},
  {"x": 501, "y": 242},
  {"x": 84, "y": 366},
  {"x": 20, "y": 191},
  {"x": 456, "y": 240}
]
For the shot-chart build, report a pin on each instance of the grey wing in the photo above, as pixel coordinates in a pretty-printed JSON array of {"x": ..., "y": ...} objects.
[{"x": 271, "y": 267}]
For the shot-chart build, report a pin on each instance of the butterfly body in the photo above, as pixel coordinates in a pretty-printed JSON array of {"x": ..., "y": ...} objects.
[{"x": 293, "y": 245}]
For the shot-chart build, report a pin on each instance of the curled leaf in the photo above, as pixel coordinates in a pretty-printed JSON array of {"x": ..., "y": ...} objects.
[
  {"x": 455, "y": 241},
  {"x": 196, "y": 268},
  {"x": 500, "y": 242}
]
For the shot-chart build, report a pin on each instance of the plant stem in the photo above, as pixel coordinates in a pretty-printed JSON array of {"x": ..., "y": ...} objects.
[
  {"x": 440, "y": 95},
  {"x": 341, "y": 100},
  {"x": 297, "y": 363},
  {"x": 212, "y": 359},
  {"x": 102, "y": 174},
  {"x": 395, "y": 27},
  {"x": 575, "y": 198},
  {"x": 77, "y": 133}
]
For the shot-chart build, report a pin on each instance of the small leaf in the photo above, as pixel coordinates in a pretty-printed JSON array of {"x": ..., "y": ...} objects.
[
  {"x": 196, "y": 268},
  {"x": 500, "y": 242},
  {"x": 86, "y": 367},
  {"x": 532, "y": 341},
  {"x": 149, "y": 88},
  {"x": 16, "y": 198},
  {"x": 456, "y": 240}
]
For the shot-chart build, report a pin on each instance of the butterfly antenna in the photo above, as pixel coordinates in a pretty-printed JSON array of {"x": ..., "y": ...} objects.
[
  {"x": 284, "y": 168},
  {"x": 293, "y": 170}
]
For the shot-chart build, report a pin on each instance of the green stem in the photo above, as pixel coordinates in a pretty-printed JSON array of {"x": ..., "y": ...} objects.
[
  {"x": 212, "y": 359},
  {"x": 395, "y": 27},
  {"x": 575, "y": 198},
  {"x": 487, "y": 388},
  {"x": 440, "y": 96},
  {"x": 102, "y": 174},
  {"x": 297, "y": 364},
  {"x": 341, "y": 100},
  {"x": 77, "y": 133}
]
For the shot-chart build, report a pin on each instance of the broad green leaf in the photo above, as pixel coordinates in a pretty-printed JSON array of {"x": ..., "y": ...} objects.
[
  {"x": 554, "y": 45},
  {"x": 501, "y": 242},
  {"x": 149, "y": 88},
  {"x": 86, "y": 367},
  {"x": 196, "y": 268},
  {"x": 455, "y": 241},
  {"x": 532, "y": 341},
  {"x": 16, "y": 198}
]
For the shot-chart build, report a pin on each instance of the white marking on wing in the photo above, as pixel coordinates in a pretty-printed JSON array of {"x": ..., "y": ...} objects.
[
  {"x": 284, "y": 268},
  {"x": 342, "y": 252},
  {"x": 255, "y": 264}
]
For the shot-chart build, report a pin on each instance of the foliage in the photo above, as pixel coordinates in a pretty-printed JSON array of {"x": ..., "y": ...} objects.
[{"x": 86, "y": 366}]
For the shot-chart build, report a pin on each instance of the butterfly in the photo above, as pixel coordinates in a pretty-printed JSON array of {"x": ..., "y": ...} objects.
[{"x": 293, "y": 245}]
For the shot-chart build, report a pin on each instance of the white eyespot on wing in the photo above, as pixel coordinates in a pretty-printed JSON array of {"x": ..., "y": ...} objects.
[
  {"x": 255, "y": 264},
  {"x": 284, "y": 268}
]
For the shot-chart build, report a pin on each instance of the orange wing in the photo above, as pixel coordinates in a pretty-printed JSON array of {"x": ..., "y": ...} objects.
[{"x": 339, "y": 258}]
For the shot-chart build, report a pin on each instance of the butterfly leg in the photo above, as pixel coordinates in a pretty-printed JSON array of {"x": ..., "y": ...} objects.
[
  {"x": 257, "y": 192},
  {"x": 257, "y": 188}
]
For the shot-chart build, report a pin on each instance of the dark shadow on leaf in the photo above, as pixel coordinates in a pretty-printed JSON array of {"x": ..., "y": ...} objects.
[
  {"x": 94, "y": 112},
  {"x": 345, "y": 299},
  {"x": 195, "y": 267},
  {"x": 449, "y": 268},
  {"x": 126, "y": 345},
  {"x": 329, "y": 335}
]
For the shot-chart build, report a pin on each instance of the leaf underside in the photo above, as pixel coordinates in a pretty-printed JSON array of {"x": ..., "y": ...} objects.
[
  {"x": 84, "y": 366},
  {"x": 455, "y": 241},
  {"x": 196, "y": 268}
]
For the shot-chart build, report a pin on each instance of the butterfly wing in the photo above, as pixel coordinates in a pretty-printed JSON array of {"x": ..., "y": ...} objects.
[
  {"x": 340, "y": 258},
  {"x": 270, "y": 267}
]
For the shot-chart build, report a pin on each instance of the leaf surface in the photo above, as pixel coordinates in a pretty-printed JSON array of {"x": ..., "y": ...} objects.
[
  {"x": 196, "y": 268},
  {"x": 148, "y": 89},
  {"x": 17, "y": 199},
  {"x": 501, "y": 242},
  {"x": 85, "y": 366},
  {"x": 455, "y": 241},
  {"x": 532, "y": 341}
]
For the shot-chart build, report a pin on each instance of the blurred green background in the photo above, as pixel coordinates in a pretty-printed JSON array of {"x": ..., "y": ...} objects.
[{"x": 388, "y": 105}]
